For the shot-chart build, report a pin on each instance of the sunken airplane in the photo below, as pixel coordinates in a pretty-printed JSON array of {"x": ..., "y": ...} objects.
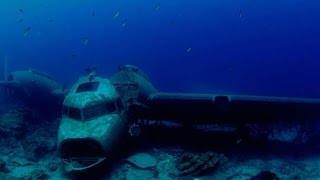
[
  {"x": 98, "y": 113},
  {"x": 34, "y": 88}
]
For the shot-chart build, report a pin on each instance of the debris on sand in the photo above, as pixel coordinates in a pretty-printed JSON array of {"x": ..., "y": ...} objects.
[{"x": 142, "y": 160}]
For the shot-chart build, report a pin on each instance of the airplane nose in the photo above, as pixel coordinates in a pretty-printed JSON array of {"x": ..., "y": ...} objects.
[
  {"x": 82, "y": 153},
  {"x": 80, "y": 148}
]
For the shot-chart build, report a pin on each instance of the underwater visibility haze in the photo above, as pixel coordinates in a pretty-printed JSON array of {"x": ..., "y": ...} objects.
[
  {"x": 232, "y": 46},
  {"x": 149, "y": 127}
]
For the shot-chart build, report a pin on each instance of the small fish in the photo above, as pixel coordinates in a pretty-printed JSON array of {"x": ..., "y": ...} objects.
[
  {"x": 241, "y": 14},
  {"x": 50, "y": 19},
  {"x": 73, "y": 56},
  {"x": 26, "y": 31},
  {"x": 171, "y": 22},
  {"x": 157, "y": 7},
  {"x": 21, "y": 10},
  {"x": 124, "y": 23},
  {"x": 239, "y": 141},
  {"x": 86, "y": 40},
  {"x": 116, "y": 14},
  {"x": 20, "y": 20},
  {"x": 174, "y": 19},
  {"x": 189, "y": 49},
  {"x": 93, "y": 13}
]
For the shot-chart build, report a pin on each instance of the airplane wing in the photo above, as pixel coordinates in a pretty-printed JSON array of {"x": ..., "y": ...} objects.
[
  {"x": 9, "y": 84},
  {"x": 211, "y": 108},
  {"x": 3, "y": 83}
]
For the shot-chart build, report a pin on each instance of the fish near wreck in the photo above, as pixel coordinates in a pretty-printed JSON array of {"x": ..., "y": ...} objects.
[
  {"x": 124, "y": 23},
  {"x": 116, "y": 15},
  {"x": 157, "y": 7},
  {"x": 26, "y": 31},
  {"x": 20, "y": 20},
  {"x": 86, "y": 40}
]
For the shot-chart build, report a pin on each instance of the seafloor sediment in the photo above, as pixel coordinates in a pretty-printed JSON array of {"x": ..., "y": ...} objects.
[{"x": 28, "y": 151}]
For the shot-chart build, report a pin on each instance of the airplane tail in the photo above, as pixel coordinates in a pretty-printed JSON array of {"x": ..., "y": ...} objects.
[{"x": 5, "y": 68}]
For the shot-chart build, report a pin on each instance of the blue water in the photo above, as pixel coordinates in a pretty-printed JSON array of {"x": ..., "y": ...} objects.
[{"x": 265, "y": 47}]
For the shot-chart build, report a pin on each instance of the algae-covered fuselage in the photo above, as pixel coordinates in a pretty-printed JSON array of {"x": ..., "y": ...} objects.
[
  {"x": 92, "y": 123},
  {"x": 95, "y": 117}
]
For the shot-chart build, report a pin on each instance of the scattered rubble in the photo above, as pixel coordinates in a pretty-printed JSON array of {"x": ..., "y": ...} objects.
[
  {"x": 52, "y": 166},
  {"x": 190, "y": 164},
  {"x": 3, "y": 167},
  {"x": 33, "y": 156},
  {"x": 37, "y": 174},
  {"x": 12, "y": 123},
  {"x": 37, "y": 148},
  {"x": 142, "y": 160},
  {"x": 4, "y": 176}
]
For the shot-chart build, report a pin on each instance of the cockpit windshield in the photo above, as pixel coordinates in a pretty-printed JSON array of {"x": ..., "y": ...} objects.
[
  {"x": 90, "y": 112},
  {"x": 71, "y": 112}
]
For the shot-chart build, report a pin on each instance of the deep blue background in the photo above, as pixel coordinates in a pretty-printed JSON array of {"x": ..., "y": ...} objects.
[{"x": 265, "y": 47}]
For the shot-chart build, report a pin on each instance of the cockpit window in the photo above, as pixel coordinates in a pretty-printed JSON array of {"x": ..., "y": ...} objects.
[
  {"x": 87, "y": 87},
  {"x": 71, "y": 112},
  {"x": 90, "y": 112}
]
